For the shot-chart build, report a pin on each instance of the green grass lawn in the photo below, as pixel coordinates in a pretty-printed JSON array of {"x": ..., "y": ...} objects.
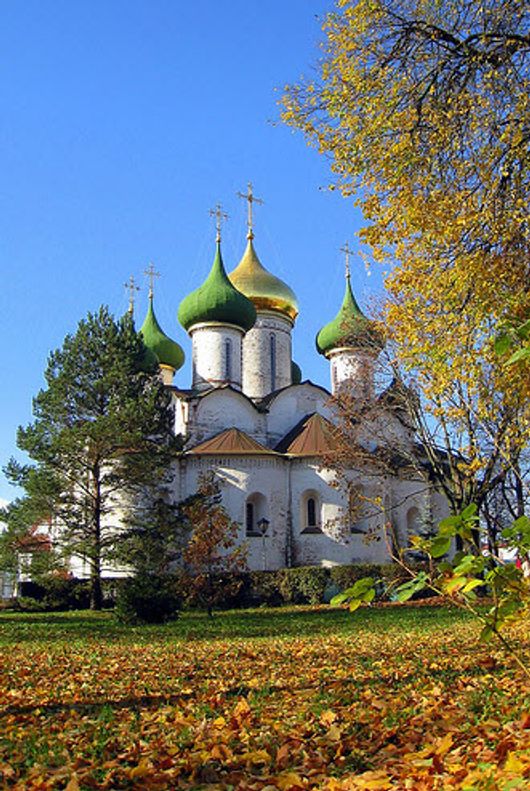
[
  {"x": 252, "y": 624},
  {"x": 291, "y": 698}
]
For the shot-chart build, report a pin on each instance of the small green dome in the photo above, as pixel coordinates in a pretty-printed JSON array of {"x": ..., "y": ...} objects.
[
  {"x": 350, "y": 327},
  {"x": 217, "y": 300},
  {"x": 296, "y": 373},
  {"x": 166, "y": 351}
]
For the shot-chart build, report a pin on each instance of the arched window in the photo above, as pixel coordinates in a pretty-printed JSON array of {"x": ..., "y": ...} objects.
[
  {"x": 228, "y": 359},
  {"x": 256, "y": 515},
  {"x": 310, "y": 513},
  {"x": 249, "y": 519},
  {"x": 273, "y": 361}
]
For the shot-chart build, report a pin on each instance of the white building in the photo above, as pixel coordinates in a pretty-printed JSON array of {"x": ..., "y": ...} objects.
[{"x": 249, "y": 418}]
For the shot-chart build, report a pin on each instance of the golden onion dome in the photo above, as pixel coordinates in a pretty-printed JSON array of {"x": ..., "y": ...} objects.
[{"x": 266, "y": 291}]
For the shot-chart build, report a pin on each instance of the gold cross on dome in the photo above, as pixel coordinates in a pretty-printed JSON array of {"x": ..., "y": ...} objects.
[
  {"x": 250, "y": 198},
  {"x": 347, "y": 252},
  {"x": 220, "y": 216},
  {"x": 151, "y": 273},
  {"x": 132, "y": 288}
]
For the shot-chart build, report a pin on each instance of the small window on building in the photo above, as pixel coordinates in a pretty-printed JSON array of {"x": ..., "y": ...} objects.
[
  {"x": 310, "y": 513},
  {"x": 249, "y": 519},
  {"x": 256, "y": 515},
  {"x": 273, "y": 361},
  {"x": 228, "y": 359}
]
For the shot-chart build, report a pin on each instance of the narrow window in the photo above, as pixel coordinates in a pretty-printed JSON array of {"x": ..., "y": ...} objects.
[
  {"x": 273, "y": 362},
  {"x": 311, "y": 512},
  {"x": 228, "y": 360},
  {"x": 249, "y": 518}
]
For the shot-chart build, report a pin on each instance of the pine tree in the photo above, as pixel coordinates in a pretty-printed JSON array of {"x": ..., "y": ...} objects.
[{"x": 101, "y": 439}]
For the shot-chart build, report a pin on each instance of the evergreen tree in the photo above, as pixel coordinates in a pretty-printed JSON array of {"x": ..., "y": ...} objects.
[{"x": 101, "y": 440}]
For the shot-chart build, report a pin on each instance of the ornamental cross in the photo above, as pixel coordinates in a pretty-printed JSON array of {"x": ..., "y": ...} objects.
[
  {"x": 220, "y": 216},
  {"x": 347, "y": 252},
  {"x": 132, "y": 288},
  {"x": 250, "y": 198},
  {"x": 151, "y": 273}
]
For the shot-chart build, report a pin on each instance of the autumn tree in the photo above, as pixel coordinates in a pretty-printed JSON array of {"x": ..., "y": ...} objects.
[
  {"x": 100, "y": 441},
  {"x": 423, "y": 109},
  {"x": 212, "y": 556}
]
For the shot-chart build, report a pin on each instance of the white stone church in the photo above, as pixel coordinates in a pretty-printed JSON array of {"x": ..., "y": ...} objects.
[{"x": 266, "y": 434}]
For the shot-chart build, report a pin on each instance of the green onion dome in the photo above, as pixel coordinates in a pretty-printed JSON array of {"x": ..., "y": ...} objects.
[
  {"x": 296, "y": 373},
  {"x": 217, "y": 300},
  {"x": 350, "y": 327},
  {"x": 266, "y": 291},
  {"x": 167, "y": 352}
]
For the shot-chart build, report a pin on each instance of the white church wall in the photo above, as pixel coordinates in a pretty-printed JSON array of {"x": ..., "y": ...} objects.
[
  {"x": 330, "y": 541},
  {"x": 267, "y": 355},
  {"x": 352, "y": 371},
  {"x": 242, "y": 478},
  {"x": 181, "y": 409},
  {"x": 291, "y": 405},
  {"x": 216, "y": 355},
  {"x": 412, "y": 510},
  {"x": 221, "y": 409}
]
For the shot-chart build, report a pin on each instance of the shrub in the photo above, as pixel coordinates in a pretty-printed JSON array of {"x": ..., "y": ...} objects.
[
  {"x": 147, "y": 599},
  {"x": 304, "y": 585},
  {"x": 54, "y": 593},
  {"x": 28, "y": 604},
  {"x": 261, "y": 587}
]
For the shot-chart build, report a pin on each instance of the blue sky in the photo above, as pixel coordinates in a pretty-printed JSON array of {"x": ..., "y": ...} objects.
[{"x": 123, "y": 123}]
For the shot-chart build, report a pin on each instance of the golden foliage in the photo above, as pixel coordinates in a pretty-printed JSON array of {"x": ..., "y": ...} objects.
[
  {"x": 424, "y": 110},
  {"x": 389, "y": 706}
]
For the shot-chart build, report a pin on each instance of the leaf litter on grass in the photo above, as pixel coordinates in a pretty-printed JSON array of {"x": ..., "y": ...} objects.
[{"x": 420, "y": 705}]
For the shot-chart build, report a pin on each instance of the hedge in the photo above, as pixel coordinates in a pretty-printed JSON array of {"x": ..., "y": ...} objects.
[
  {"x": 299, "y": 585},
  {"x": 307, "y": 584}
]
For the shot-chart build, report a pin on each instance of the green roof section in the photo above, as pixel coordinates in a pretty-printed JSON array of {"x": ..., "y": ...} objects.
[
  {"x": 350, "y": 327},
  {"x": 166, "y": 351},
  {"x": 217, "y": 300}
]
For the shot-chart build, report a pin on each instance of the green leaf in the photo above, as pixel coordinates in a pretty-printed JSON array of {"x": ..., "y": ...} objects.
[
  {"x": 486, "y": 634},
  {"x": 503, "y": 343},
  {"x": 522, "y": 524},
  {"x": 361, "y": 586},
  {"x": 469, "y": 512},
  {"x": 474, "y": 583},
  {"x": 455, "y": 584},
  {"x": 518, "y": 356},
  {"x": 523, "y": 331},
  {"x": 369, "y": 596},
  {"x": 340, "y": 598},
  {"x": 450, "y": 521},
  {"x": 440, "y": 546},
  {"x": 469, "y": 563}
]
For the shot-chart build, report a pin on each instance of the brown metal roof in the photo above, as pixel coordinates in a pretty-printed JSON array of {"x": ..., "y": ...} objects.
[
  {"x": 232, "y": 441},
  {"x": 312, "y": 436}
]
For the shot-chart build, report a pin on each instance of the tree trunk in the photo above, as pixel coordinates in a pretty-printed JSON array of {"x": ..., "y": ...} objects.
[
  {"x": 96, "y": 593},
  {"x": 519, "y": 492}
]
